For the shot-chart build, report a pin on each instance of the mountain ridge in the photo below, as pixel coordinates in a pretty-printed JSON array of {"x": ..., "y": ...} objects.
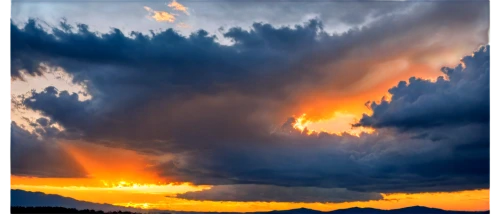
[{"x": 21, "y": 198}]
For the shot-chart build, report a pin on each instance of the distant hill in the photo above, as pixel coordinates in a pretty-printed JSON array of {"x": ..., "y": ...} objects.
[
  {"x": 61, "y": 210},
  {"x": 357, "y": 210},
  {"x": 20, "y": 198}
]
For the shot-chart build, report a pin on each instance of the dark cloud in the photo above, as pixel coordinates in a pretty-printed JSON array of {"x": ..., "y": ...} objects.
[
  {"x": 385, "y": 161},
  {"x": 217, "y": 108},
  {"x": 461, "y": 97},
  {"x": 62, "y": 107},
  {"x": 38, "y": 155},
  {"x": 252, "y": 192},
  {"x": 451, "y": 156}
]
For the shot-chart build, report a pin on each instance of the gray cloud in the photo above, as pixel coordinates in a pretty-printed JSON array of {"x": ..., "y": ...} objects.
[
  {"x": 252, "y": 192},
  {"x": 336, "y": 16},
  {"x": 446, "y": 159},
  {"x": 209, "y": 16}
]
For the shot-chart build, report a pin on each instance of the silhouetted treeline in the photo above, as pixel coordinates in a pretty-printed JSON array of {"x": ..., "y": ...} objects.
[{"x": 61, "y": 210}]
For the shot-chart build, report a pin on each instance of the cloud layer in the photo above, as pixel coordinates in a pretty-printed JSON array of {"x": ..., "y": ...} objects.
[{"x": 221, "y": 110}]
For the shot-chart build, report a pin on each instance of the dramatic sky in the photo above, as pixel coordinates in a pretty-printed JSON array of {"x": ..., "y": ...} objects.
[{"x": 252, "y": 105}]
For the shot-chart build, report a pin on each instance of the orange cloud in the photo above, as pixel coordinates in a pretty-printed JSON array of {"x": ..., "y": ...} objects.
[
  {"x": 160, "y": 16},
  {"x": 178, "y": 6}
]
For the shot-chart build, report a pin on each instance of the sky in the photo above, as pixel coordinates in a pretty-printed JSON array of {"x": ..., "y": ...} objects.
[{"x": 252, "y": 105}]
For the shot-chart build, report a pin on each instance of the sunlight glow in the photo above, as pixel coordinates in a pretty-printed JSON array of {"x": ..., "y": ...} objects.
[
  {"x": 154, "y": 188},
  {"x": 301, "y": 123},
  {"x": 340, "y": 123}
]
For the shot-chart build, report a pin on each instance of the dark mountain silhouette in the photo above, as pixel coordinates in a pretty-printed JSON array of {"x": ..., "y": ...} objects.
[
  {"x": 297, "y": 211},
  {"x": 358, "y": 210},
  {"x": 354, "y": 210},
  {"x": 37, "y": 202},
  {"x": 20, "y": 198},
  {"x": 61, "y": 210}
]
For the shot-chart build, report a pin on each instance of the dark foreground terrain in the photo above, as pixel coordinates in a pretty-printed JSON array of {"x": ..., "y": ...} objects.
[{"x": 61, "y": 210}]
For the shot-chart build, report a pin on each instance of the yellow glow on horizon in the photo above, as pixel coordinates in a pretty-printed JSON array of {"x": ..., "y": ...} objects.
[
  {"x": 90, "y": 184},
  {"x": 472, "y": 200}
]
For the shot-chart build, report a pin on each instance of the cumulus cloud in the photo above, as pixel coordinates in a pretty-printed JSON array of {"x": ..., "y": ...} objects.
[
  {"x": 160, "y": 16},
  {"x": 462, "y": 96},
  {"x": 62, "y": 107},
  {"x": 196, "y": 99},
  {"x": 254, "y": 192},
  {"x": 178, "y": 6}
]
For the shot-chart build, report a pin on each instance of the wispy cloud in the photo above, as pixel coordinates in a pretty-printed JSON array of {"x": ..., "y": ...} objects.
[
  {"x": 160, "y": 16},
  {"x": 183, "y": 25},
  {"x": 178, "y": 6}
]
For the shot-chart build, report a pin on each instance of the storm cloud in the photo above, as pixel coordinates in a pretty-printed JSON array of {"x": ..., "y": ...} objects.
[
  {"x": 220, "y": 109},
  {"x": 462, "y": 96}
]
